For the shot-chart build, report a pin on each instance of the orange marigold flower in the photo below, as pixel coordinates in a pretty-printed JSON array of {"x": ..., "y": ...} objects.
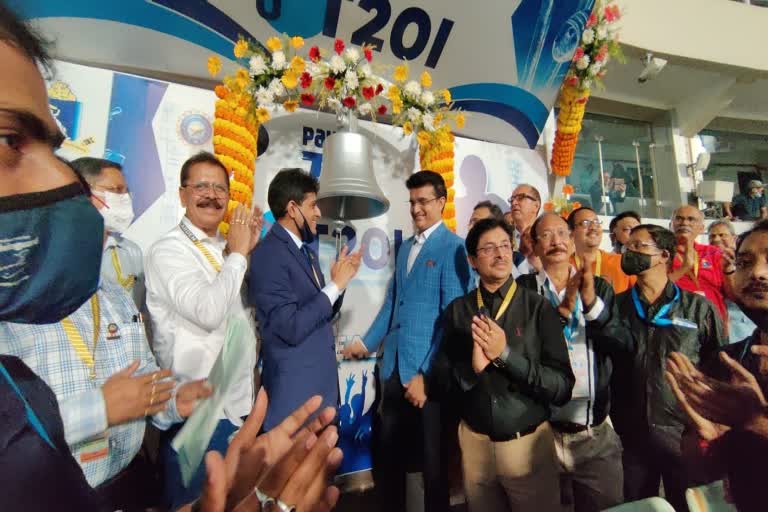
[
  {"x": 549, "y": 206},
  {"x": 567, "y": 189}
]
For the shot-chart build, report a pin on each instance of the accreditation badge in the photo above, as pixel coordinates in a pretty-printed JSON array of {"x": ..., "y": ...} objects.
[{"x": 95, "y": 448}]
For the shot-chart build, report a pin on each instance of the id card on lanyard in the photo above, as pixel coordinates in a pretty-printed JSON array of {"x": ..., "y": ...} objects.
[{"x": 662, "y": 319}]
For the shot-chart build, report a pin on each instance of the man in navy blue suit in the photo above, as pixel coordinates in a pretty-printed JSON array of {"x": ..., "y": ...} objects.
[
  {"x": 431, "y": 270},
  {"x": 294, "y": 305}
]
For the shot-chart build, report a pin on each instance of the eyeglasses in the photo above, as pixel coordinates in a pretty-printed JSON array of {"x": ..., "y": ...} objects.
[
  {"x": 490, "y": 249},
  {"x": 587, "y": 222},
  {"x": 635, "y": 246},
  {"x": 548, "y": 236},
  {"x": 422, "y": 202},
  {"x": 201, "y": 187},
  {"x": 520, "y": 197}
]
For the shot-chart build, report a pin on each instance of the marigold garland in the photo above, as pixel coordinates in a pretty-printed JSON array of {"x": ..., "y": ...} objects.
[
  {"x": 598, "y": 43},
  {"x": 436, "y": 154}
]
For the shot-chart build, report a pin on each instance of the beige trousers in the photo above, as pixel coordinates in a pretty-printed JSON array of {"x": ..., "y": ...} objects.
[
  {"x": 591, "y": 472},
  {"x": 517, "y": 475}
]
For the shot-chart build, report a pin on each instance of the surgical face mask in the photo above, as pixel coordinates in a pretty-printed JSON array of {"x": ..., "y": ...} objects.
[
  {"x": 307, "y": 236},
  {"x": 50, "y": 254},
  {"x": 117, "y": 212},
  {"x": 634, "y": 263}
]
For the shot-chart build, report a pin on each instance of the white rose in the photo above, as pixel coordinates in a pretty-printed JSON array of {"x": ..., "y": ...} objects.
[
  {"x": 427, "y": 98},
  {"x": 314, "y": 69},
  {"x": 429, "y": 122},
  {"x": 582, "y": 63},
  {"x": 594, "y": 68},
  {"x": 351, "y": 55},
  {"x": 412, "y": 89},
  {"x": 586, "y": 83},
  {"x": 350, "y": 79},
  {"x": 365, "y": 70},
  {"x": 337, "y": 64},
  {"x": 257, "y": 65},
  {"x": 364, "y": 109},
  {"x": 588, "y": 36},
  {"x": 414, "y": 115},
  {"x": 602, "y": 32},
  {"x": 278, "y": 61},
  {"x": 334, "y": 103}
]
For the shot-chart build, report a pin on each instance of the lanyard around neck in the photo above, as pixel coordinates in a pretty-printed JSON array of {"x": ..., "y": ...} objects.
[
  {"x": 125, "y": 282},
  {"x": 505, "y": 302},
  {"x": 76, "y": 339},
  {"x": 661, "y": 318},
  {"x": 31, "y": 415},
  {"x": 573, "y": 323},
  {"x": 598, "y": 262},
  {"x": 200, "y": 247}
]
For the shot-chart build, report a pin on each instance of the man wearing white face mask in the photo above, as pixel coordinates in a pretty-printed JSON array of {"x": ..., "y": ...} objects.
[{"x": 122, "y": 260}]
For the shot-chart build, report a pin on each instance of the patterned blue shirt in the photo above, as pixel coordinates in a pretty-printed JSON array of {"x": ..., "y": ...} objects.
[{"x": 122, "y": 340}]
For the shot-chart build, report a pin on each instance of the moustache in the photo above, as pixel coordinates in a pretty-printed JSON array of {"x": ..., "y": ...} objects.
[
  {"x": 556, "y": 250},
  {"x": 205, "y": 203},
  {"x": 755, "y": 288}
]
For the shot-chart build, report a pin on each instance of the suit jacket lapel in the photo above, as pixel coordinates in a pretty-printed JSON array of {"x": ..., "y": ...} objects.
[
  {"x": 402, "y": 268},
  {"x": 283, "y": 235},
  {"x": 427, "y": 252}
]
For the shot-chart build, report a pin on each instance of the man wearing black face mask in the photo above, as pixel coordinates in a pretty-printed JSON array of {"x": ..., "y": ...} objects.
[
  {"x": 649, "y": 321},
  {"x": 294, "y": 305}
]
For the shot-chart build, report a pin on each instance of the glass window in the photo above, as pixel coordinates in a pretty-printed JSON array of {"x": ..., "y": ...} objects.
[{"x": 624, "y": 144}]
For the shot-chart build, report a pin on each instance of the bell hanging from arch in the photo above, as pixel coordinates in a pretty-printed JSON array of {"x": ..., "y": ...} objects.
[{"x": 348, "y": 187}]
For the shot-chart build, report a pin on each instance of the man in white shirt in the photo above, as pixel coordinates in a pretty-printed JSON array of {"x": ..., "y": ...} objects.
[
  {"x": 194, "y": 279},
  {"x": 122, "y": 260}
]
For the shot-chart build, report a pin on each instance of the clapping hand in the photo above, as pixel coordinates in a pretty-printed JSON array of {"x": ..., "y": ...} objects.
[
  {"x": 345, "y": 267},
  {"x": 288, "y": 463}
]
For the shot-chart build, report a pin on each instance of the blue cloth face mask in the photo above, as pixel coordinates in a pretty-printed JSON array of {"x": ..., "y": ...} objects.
[{"x": 50, "y": 254}]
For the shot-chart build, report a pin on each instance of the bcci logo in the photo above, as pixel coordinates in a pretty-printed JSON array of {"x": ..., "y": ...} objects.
[{"x": 195, "y": 128}]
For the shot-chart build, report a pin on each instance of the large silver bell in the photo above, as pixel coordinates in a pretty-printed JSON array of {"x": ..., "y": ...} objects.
[{"x": 348, "y": 187}]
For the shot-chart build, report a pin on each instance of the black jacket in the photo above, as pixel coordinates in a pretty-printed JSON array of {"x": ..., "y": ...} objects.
[
  {"x": 500, "y": 402},
  {"x": 643, "y": 403},
  {"x": 603, "y": 366}
]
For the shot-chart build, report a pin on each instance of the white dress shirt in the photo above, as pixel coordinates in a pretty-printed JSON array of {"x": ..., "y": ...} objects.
[
  {"x": 580, "y": 351},
  {"x": 418, "y": 243},
  {"x": 131, "y": 264},
  {"x": 189, "y": 304},
  {"x": 330, "y": 290}
]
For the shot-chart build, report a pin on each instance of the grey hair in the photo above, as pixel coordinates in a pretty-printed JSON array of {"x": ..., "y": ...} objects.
[{"x": 722, "y": 222}]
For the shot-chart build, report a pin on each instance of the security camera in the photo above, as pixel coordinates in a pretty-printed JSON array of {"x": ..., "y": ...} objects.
[{"x": 652, "y": 67}]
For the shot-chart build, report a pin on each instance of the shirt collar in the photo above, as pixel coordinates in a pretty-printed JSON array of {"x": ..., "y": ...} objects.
[
  {"x": 544, "y": 282},
  {"x": 293, "y": 236},
  {"x": 666, "y": 296},
  {"x": 503, "y": 289},
  {"x": 199, "y": 233},
  {"x": 113, "y": 240},
  {"x": 422, "y": 237}
]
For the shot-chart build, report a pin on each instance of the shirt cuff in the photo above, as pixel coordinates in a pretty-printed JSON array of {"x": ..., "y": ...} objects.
[
  {"x": 164, "y": 419},
  {"x": 237, "y": 260},
  {"x": 332, "y": 292},
  {"x": 595, "y": 310}
]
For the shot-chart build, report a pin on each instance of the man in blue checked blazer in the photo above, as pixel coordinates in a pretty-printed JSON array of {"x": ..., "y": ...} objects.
[
  {"x": 431, "y": 270},
  {"x": 294, "y": 305}
]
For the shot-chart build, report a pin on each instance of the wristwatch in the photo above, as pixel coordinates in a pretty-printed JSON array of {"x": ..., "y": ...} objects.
[{"x": 501, "y": 361}]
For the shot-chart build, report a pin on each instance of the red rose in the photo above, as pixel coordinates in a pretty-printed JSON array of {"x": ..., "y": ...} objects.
[
  {"x": 382, "y": 110},
  {"x": 592, "y": 21},
  {"x": 330, "y": 83},
  {"x": 306, "y": 79},
  {"x": 314, "y": 54},
  {"x": 368, "y": 54},
  {"x": 338, "y": 46},
  {"x": 579, "y": 54},
  {"x": 368, "y": 93},
  {"x": 379, "y": 88},
  {"x": 574, "y": 81},
  {"x": 349, "y": 102},
  {"x": 307, "y": 99}
]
